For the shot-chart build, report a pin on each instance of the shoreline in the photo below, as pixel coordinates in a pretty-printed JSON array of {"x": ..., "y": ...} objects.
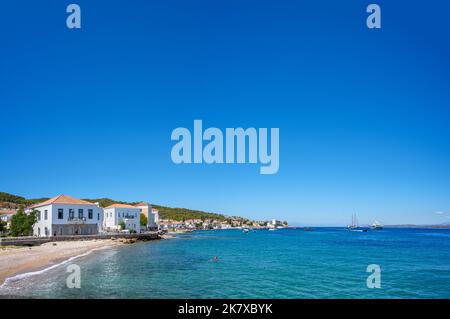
[{"x": 19, "y": 261}]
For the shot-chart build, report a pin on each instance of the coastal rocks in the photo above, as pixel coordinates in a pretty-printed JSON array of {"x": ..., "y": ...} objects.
[{"x": 128, "y": 240}]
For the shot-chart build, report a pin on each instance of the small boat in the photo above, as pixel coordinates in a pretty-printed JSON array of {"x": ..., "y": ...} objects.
[
  {"x": 245, "y": 230},
  {"x": 361, "y": 230},
  {"x": 272, "y": 229},
  {"x": 377, "y": 225}
]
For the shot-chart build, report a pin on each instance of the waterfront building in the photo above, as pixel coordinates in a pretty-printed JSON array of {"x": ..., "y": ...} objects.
[
  {"x": 155, "y": 213},
  {"x": 66, "y": 215},
  {"x": 276, "y": 223},
  {"x": 115, "y": 214},
  {"x": 150, "y": 213}
]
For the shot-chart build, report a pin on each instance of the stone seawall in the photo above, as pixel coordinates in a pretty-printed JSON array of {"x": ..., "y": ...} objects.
[{"x": 33, "y": 241}]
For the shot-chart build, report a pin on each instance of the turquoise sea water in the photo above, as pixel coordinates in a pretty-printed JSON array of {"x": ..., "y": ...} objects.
[{"x": 287, "y": 263}]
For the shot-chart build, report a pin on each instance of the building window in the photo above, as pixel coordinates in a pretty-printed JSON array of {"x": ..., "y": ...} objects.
[
  {"x": 80, "y": 213},
  {"x": 60, "y": 213},
  {"x": 90, "y": 213},
  {"x": 46, "y": 231},
  {"x": 39, "y": 231},
  {"x": 38, "y": 215},
  {"x": 45, "y": 214},
  {"x": 71, "y": 213},
  {"x": 98, "y": 216}
]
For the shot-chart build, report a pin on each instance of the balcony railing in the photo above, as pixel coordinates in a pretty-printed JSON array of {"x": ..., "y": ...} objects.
[{"x": 77, "y": 220}]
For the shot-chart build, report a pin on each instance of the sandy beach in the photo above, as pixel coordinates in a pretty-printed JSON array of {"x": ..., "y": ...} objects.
[{"x": 17, "y": 260}]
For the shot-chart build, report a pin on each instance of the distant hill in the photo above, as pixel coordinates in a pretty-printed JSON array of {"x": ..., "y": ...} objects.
[
  {"x": 184, "y": 213},
  {"x": 178, "y": 214},
  {"x": 13, "y": 201}
]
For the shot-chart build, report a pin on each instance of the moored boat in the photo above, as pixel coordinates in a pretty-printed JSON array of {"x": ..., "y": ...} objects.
[
  {"x": 354, "y": 225},
  {"x": 377, "y": 225}
]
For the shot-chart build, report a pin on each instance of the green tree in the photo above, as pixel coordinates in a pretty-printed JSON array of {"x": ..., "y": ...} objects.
[
  {"x": 144, "y": 220},
  {"x": 22, "y": 224},
  {"x": 122, "y": 225},
  {"x": 2, "y": 226},
  {"x": 285, "y": 223}
]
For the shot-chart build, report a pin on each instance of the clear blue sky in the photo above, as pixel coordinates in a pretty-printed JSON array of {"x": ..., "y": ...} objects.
[{"x": 363, "y": 114}]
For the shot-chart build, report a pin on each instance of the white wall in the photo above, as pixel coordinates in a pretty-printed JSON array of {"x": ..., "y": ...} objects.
[
  {"x": 52, "y": 217},
  {"x": 155, "y": 214},
  {"x": 42, "y": 223},
  {"x": 113, "y": 216},
  {"x": 147, "y": 210}
]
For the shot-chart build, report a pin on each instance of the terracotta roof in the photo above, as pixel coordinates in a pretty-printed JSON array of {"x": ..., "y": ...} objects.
[
  {"x": 7, "y": 212},
  {"x": 142, "y": 204},
  {"x": 120, "y": 206},
  {"x": 63, "y": 199}
]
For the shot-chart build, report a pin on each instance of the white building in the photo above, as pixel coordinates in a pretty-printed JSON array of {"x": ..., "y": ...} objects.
[
  {"x": 66, "y": 215},
  {"x": 6, "y": 216},
  {"x": 114, "y": 214},
  {"x": 145, "y": 208},
  {"x": 152, "y": 218},
  {"x": 155, "y": 214}
]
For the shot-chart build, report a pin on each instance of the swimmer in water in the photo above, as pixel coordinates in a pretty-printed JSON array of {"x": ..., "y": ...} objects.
[{"x": 216, "y": 259}]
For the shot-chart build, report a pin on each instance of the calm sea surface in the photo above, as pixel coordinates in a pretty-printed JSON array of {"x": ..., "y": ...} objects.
[{"x": 287, "y": 263}]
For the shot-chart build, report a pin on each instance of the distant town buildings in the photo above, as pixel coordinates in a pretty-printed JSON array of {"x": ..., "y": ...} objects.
[
  {"x": 275, "y": 223},
  {"x": 228, "y": 223},
  {"x": 6, "y": 216}
]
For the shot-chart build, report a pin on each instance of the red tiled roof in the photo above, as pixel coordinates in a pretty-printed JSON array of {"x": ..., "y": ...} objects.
[
  {"x": 7, "y": 211},
  {"x": 120, "y": 206},
  {"x": 142, "y": 204},
  {"x": 63, "y": 199}
]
